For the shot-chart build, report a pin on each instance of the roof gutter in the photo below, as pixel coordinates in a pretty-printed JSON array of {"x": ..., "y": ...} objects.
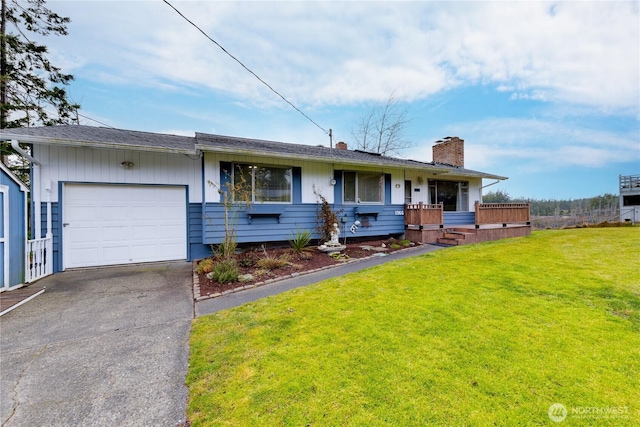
[
  {"x": 207, "y": 148},
  {"x": 108, "y": 145}
]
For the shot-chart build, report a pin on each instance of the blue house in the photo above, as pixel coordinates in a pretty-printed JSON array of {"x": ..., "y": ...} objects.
[
  {"x": 111, "y": 196},
  {"x": 13, "y": 229}
]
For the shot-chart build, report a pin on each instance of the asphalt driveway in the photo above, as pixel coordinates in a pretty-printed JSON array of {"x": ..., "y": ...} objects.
[{"x": 101, "y": 347}]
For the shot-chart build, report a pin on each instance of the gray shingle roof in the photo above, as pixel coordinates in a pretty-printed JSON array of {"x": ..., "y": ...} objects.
[
  {"x": 106, "y": 137},
  {"x": 219, "y": 143},
  {"x": 101, "y": 137}
]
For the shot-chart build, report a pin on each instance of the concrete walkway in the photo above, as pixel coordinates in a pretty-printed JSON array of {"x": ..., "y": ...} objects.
[
  {"x": 233, "y": 300},
  {"x": 101, "y": 347}
]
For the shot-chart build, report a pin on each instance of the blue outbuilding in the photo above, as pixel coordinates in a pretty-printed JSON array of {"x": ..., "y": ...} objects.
[{"x": 13, "y": 229}]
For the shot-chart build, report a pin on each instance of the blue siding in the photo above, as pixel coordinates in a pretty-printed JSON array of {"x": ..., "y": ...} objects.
[
  {"x": 196, "y": 248},
  {"x": 16, "y": 235},
  {"x": 459, "y": 218},
  {"x": 301, "y": 216}
]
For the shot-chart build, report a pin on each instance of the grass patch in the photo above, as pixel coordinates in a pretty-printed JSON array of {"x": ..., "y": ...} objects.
[{"x": 487, "y": 334}]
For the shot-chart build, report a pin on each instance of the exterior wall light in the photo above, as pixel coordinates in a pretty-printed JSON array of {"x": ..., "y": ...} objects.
[{"x": 127, "y": 164}]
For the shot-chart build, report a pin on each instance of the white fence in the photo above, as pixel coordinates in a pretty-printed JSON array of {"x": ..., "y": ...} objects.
[{"x": 39, "y": 259}]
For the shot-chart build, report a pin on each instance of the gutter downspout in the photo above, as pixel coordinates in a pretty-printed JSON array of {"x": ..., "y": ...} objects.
[
  {"x": 35, "y": 188},
  {"x": 36, "y": 199},
  {"x": 16, "y": 146},
  {"x": 488, "y": 185}
]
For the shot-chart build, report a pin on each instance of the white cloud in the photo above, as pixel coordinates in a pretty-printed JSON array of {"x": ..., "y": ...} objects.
[
  {"x": 336, "y": 53},
  {"x": 542, "y": 145}
]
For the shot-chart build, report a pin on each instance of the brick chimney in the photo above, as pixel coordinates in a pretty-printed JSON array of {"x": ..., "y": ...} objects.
[
  {"x": 341, "y": 145},
  {"x": 449, "y": 151}
]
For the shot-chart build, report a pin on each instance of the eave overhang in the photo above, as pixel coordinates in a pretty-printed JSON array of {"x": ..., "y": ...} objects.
[
  {"x": 44, "y": 140},
  {"x": 322, "y": 159}
]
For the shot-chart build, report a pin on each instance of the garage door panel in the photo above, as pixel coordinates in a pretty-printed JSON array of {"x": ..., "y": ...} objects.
[
  {"x": 121, "y": 224},
  {"x": 168, "y": 232},
  {"x": 83, "y": 194},
  {"x": 143, "y": 252},
  {"x": 163, "y": 249},
  {"x": 143, "y": 213},
  {"x": 115, "y": 234},
  {"x": 82, "y": 213},
  {"x": 88, "y": 256},
  {"x": 115, "y": 213},
  {"x": 170, "y": 213},
  {"x": 114, "y": 255},
  {"x": 83, "y": 235}
]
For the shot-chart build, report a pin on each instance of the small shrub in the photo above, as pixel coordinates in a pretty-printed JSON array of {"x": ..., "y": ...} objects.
[
  {"x": 259, "y": 273},
  {"x": 227, "y": 248},
  {"x": 271, "y": 263},
  {"x": 225, "y": 271},
  {"x": 295, "y": 266},
  {"x": 300, "y": 240},
  {"x": 325, "y": 218},
  {"x": 406, "y": 243},
  {"x": 306, "y": 255},
  {"x": 248, "y": 260},
  {"x": 205, "y": 266},
  {"x": 395, "y": 246}
]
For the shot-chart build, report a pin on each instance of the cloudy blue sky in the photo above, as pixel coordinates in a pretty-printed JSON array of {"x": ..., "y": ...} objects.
[{"x": 547, "y": 93}]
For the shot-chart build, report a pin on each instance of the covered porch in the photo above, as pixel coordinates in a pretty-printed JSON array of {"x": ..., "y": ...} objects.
[{"x": 430, "y": 223}]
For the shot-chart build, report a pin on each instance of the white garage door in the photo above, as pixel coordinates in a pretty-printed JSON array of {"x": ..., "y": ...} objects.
[{"x": 123, "y": 224}]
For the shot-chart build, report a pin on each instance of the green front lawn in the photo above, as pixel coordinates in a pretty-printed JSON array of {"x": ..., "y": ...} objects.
[{"x": 487, "y": 334}]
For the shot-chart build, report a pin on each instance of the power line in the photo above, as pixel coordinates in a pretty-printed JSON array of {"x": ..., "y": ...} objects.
[
  {"x": 94, "y": 120},
  {"x": 245, "y": 67}
]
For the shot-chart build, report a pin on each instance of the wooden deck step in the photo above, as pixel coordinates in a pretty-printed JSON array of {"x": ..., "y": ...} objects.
[
  {"x": 13, "y": 299},
  {"x": 455, "y": 235},
  {"x": 465, "y": 230},
  {"x": 449, "y": 241}
]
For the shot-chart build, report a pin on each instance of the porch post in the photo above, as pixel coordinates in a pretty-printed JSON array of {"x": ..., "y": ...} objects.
[
  {"x": 35, "y": 195},
  {"x": 48, "y": 261}
]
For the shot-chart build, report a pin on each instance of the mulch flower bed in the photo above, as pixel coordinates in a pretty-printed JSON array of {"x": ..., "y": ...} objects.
[{"x": 296, "y": 264}]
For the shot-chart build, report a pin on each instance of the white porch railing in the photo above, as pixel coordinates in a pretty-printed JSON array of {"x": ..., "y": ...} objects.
[{"x": 39, "y": 260}]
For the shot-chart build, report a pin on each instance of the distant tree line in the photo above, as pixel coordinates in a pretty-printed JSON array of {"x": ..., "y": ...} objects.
[{"x": 552, "y": 207}]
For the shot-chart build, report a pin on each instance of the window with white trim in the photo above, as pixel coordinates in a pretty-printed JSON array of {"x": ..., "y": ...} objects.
[
  {"x": 362, "y": 187},
  {"x": 266, "y": 184}
]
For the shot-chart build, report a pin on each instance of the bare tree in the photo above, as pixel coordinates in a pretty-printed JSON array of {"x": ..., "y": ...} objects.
[{"x": 382, "y": 129}]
